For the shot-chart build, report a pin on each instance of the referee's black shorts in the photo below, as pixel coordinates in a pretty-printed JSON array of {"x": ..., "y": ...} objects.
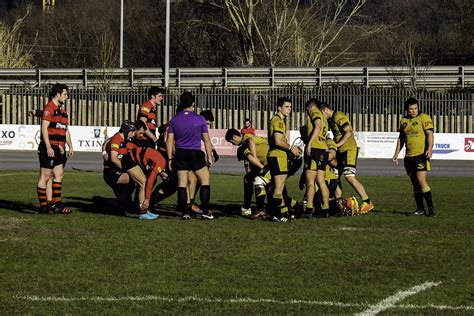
[{"x": 189, "y": 159}]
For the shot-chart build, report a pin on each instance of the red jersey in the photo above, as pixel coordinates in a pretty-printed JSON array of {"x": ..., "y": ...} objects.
[
  {"x": 58, "y": 124},
  {"x": 249, "y": 130},
  {"x": 148, "y": 111},
  {"x": 151, "y": 162},
  {"x": 119, "y": 144}
]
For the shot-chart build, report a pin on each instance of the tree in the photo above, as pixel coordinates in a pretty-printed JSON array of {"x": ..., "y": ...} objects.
[{"x": 13, "y": 53}]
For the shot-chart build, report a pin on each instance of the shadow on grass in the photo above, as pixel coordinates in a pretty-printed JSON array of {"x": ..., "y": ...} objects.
[{"x": 19, "y": 207}]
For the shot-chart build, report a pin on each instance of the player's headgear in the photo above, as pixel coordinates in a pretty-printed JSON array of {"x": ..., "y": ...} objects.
[
  {"x": 127, "y": 127},
  {"x": 231, "y": 132}
]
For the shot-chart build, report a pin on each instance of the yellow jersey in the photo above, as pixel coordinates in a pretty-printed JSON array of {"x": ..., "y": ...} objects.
[
  {"x": 277, "y": 125},
  {"x": 413, "y": 133},
  {"x": 261, "y": 146},
  {"x": 320, "y": 141},
  {"x": 337, "y": 124}
]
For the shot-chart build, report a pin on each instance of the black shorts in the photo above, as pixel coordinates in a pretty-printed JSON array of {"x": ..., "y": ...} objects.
[
  {"x": 111, "y": 176},
  {"x": 347, "y": 162},
  {"x": 415, "y": 164},
  {"x": 189, "y": 159},
  {"x": 318, "y": 160},
  {"x": 127, "y": 162},
  {"x": 277, "y": 165},
  {"x": 48, "y": 162}
]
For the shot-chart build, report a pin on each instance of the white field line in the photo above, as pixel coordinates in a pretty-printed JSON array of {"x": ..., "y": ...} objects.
[
  {"x": 390, "y": 301},
  {"x": 243, "y": 300}
]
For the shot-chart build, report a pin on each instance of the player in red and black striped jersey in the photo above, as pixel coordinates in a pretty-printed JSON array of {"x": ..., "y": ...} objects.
[
  {"x": 52, "y": 150},
  {"x": 148, "y": 114},
  {"x": 144, "y": 164},
  {"x": 115, "y": 148}
]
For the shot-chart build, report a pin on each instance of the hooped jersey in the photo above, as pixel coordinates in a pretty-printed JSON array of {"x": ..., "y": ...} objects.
[
  {"x": 261, "y": 147},
  {"x": 277, "y": 125},
  {"x": 120, "y": 145},
  {"x": 413, "y": 132},
  {"x": 148, "y": 111},
  {"x": 152, "y": 164},
  {"x": 338, "y": 123},
  {"x": 320, "y": 141},
  {"x": 58, "y": 124}
]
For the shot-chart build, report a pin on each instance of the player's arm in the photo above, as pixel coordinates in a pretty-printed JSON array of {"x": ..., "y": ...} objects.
[
  {"x": 252, "y": 155},
  {"x": 347, "y": 134},
  {"x": 105, "y": 155},
  {"x": 314, "y": 134},
  {"x": 430, "y": 142},
  {"x": 143, "y": 115},
  {"x": 398, "y": 148},
  {"x": 69, "y": 144},
  {"x": 44, "y": 132},
  {"x": 208, "y": 147},
  {"x": 169, "y": 148},
  {"x": 115, "y": 159}
]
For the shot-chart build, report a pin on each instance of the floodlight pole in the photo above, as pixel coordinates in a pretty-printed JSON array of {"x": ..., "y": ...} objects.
[
  {"x": 121, "y": 33},
  {"x": 167, "y": 45}
]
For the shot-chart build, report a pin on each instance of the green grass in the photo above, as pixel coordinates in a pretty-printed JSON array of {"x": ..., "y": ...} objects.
[{"x": 358, "y": 260}]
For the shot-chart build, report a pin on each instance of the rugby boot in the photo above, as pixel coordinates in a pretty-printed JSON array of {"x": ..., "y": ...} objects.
[
  {"x": 419, "y": 212},
  {"x": 208, "y": 215},
  {"x": 366, "y": 207},
  {"x": 431, "y": 212},
  {"x": 47, "y": 209},
  {"x": 60, "y": 208}
]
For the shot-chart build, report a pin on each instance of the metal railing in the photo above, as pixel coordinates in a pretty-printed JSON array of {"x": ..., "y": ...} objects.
[
  {"x": 429, "y": 77},
  {"x": 375, "y": 109}
]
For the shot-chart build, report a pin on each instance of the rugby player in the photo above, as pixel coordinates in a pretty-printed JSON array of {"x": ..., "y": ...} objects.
[
  {"x": 185, "y": 131},
  {"x": 253, "y": 149},
  {"x": 148, "y": 114},
  {"x": 416, "y": 132},
  {"x": 316, "y": 156},
  {"x": 144, "y": 165},
  {"x": 52, "y": 151},
  {"x": 347, "y": 152},
  {"x": 277, "y": 156},
  {"x": 114, "y": 149}
]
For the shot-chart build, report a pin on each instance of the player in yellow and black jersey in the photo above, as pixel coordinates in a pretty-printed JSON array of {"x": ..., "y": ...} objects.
[
  {"x": 316, "y": 156},
  {"x": 416, "y": 132},
  {"x": 253, "y": 149},
  {"x": 278, "y": 156},
  {"x": 347, "y": 152}
]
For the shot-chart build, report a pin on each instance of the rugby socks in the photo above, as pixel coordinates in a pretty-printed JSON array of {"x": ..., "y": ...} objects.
[
  {"x": 282, "y": 209},
  {"x": 427, "y": 195},
  {"x": 205, "y": 197},
  {"x": 248, "y": 191},
  {"x": 182, "y": 199},
  {"x": 365, "y": 199},
  {"x": 419, "y": 200},
  {"x": 260, "y": 194},
  {"x": 57, "y": 188},
  {"x": 42, "y": 196}
]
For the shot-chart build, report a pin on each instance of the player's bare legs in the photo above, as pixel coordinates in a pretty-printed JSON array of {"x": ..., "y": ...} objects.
[{"x": 310, "y": 178}]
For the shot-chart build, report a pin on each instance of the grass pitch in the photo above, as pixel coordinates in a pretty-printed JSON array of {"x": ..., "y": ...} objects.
[{"x": 94, "y": 263}]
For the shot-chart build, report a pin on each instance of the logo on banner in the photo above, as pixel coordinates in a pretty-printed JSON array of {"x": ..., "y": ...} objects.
[
  {"x": 443, "y": 149},
  {"x": 97, "y": 132},
  {"x": 469, "y": 144}
]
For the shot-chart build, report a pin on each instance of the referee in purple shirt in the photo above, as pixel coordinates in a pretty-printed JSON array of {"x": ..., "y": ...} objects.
[{"x": 185, "y": 132}]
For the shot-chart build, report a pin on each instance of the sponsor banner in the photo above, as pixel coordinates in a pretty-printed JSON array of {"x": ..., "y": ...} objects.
[
  {"x": 371, "y": 144},
  {"x": 446, "y": 146},
  {"x": 27, "y": 137}
]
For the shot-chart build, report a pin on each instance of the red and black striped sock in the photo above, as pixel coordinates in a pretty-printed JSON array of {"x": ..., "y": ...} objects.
[
  {"x": 57, "y": 187},
  {"x": 42, "y": 196}
]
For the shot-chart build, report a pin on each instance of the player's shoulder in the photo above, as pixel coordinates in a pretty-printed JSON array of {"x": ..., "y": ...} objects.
[
  {"x": 246, "y": 138},
  {"x": 424, "y": 117}
]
